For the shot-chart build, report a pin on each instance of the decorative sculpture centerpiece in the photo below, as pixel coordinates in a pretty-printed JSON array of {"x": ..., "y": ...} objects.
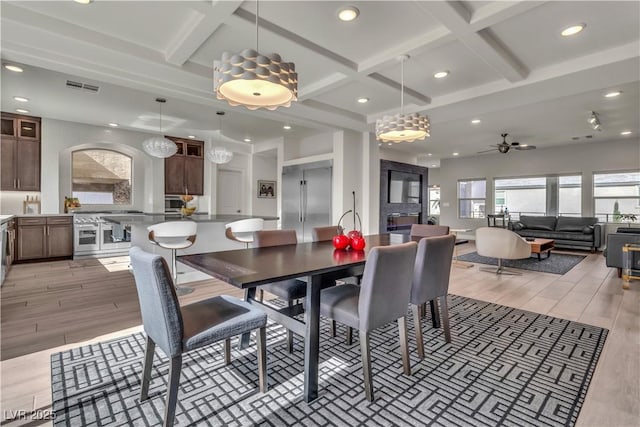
[
  {"x": 189, "y": 204},
  {"x": 353, "y": 239}
]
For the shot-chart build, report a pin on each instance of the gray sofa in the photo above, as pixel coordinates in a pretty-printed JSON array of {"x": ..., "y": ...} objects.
[
  {"x": 615, "y": 243},
  {"x": 568, "y": 232}
]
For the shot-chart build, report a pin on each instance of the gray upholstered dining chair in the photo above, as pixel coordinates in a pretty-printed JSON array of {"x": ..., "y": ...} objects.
[
  {"x": 290, "y": 289},
  {"x": 322, "y": 234},
  {"x": 431, "y": 281},
  {"x": 177, "y": 330},
  {"x": 428, "y": 230},
  {"x": 382, "y": 298}
]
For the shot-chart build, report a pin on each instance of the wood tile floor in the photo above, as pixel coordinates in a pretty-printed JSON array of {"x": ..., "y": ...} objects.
[{"x": 53, "y": 306}]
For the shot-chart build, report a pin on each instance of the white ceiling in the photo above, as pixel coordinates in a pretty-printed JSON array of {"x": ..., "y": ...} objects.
[{"x": 508, "y": 66}]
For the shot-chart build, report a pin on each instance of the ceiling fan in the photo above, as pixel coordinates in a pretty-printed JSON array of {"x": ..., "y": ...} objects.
[{"x": 504, "y": 146}]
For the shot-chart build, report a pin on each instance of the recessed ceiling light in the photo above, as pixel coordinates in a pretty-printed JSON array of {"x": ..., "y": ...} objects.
[
  {"x": 613, "y": 94},
  {"x": 388, "y": 143},
  {"x": 191, "y": 136},
  {"x": 22, "y": 110},
  {"x": 363, "y": 100},
  {"x": 572, "y": 30},
  {"x": 113, "y": 125},
  {"x": 379, "y": 144},
  {"x": 348, "y": 14},
  {"x": 475, "y": 121},
  {"x": 247, "y": 140},
  {"x": 433, "y": 166},
  {"x": 14, "y": 68},
  {"x": 83, "y": 1},
  {"x": 21, "y": 99},
  {"x": 286, "y": 127},
  {"x": 456, "y": 154},
  {"x": 441, "y": 74},
  {"x": 625, "y": 132},
  {"x": 429, "y": 154}
]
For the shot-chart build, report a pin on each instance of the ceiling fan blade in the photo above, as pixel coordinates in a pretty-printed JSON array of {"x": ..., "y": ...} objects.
[
  {"x": 525, "y": 147},
  {"x": 486, "y": 151}
]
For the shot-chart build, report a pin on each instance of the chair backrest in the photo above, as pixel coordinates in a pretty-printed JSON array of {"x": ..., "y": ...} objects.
[
  {"x": 432, "y": 268},
  {"x": 159, "y": 305},
  {"x": 242, "y": 230},
  {"x": 386, "y": 285},
  {"x": 266, "y": 238},
  {"x": 173, "y": 232},
  {"x": 499, "y": 242},
  {"x": 428, "y": 230},
  {"x": 321, "y": 234}
]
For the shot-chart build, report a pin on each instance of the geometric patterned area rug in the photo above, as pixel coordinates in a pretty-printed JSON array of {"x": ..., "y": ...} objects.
[
  {"x": 556, "y": 263},
  {"x": 504, "y": 367}
]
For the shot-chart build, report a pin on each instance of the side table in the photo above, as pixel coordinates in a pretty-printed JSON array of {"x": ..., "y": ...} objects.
[
  {"x": 456, "y": 263},
  {"x": 630, "y": 264}
]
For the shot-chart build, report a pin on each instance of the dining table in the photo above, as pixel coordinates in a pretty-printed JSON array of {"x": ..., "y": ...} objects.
[{"x": 315, "y": 262}]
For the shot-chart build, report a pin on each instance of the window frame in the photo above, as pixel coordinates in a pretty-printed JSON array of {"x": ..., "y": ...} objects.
[
  {"x": 484, "y": 214},
  {"x": 594, "y": 197}
]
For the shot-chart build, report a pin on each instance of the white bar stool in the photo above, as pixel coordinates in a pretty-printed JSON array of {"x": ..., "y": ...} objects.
[
  {"x": 242, "y": 230},
  {"x": 174, "y": 235}
]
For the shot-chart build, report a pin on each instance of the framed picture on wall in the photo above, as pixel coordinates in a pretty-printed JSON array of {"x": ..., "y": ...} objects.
[{"x": 266, "y": 189}]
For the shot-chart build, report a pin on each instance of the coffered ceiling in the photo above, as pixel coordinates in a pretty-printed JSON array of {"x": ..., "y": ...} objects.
[{"x": 508, "y": 66}]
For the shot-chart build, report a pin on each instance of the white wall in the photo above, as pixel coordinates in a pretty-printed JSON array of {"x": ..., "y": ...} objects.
[
  {"x": 310, "y": 146},
  {"x": 398, "y": 156},
  {"x": 577, "y": 158},
  {"x": 347, "y": 175}
]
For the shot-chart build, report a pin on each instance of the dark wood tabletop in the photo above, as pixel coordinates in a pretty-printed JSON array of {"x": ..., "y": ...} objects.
[{"x": 246, "y": 268}]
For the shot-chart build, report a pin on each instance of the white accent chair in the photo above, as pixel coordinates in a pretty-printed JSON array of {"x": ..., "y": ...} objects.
[
  {"x": 502, "y": 244},
  {"x": 242, "y": 230},
  {"x": 174, "y": 235}
]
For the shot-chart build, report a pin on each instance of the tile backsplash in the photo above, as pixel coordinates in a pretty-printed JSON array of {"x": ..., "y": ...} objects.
[{"x": 11, "y": 201}]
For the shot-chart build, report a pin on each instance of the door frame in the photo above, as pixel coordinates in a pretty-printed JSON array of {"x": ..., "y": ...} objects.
[{"x": 243, "y": 177}]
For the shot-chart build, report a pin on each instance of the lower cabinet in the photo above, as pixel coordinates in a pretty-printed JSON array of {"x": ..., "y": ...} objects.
[{"x": 44, "y": 237}]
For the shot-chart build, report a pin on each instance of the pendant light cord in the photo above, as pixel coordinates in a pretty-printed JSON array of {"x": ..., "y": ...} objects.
[
  {"x": 257, "y": 13},
  {"x": 160, "y": 118},
  {"x": 402, "y": 87}
]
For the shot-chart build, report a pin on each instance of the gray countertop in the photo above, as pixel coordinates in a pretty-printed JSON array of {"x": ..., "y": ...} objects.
[{"x": 150, "y": 219}]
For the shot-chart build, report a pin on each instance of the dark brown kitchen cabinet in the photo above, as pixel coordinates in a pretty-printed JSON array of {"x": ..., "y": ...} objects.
[
  {"x": 44, "y": 237},
  {"x": 20, "y": 153},
  {"x": 11, "y": 242},
  {"x": 184, "y": 171}
]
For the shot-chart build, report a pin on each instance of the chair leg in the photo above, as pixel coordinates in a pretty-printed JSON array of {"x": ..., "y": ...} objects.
[
  {"x": 290, "y": 334},
  {"x": 172, "y": 392},
  {"x": 366, "y": 365},
  {"x": 146, "y": 369},
  {"x": 404, "y": 345},
  {"x": 227, "y": 351},
  {"x": 261, "y": 338},
  {"x": 418, "y": 328},
  {"x": 261, "y": 295},
  {"x": 333, "y": 328},
  {"x": 435, "y": 313},
  {"x": 445, "y": 319},
  {"x": 349, "y": 339}
]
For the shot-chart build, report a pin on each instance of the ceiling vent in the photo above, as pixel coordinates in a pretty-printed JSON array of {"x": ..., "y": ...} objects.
[{"x": 77, "y": 85}]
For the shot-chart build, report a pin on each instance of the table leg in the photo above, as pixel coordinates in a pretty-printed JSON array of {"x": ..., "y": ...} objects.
[
  {"x": 249, "y": 294},
  {"x": 312, "y": 338},
  {"x": 539, "y": 256}
]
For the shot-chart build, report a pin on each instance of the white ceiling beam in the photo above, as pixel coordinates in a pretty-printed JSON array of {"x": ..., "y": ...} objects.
[
  {"x": 455, "y": 17},
  {"x": 499, "y": 11},
  {"x": 198, "y": 29}
]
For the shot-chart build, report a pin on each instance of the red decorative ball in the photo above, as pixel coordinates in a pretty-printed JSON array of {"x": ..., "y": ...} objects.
[
  {"x": 341, "y": 241},
  {"x": 354, "y": 233},
  {"x": 358, "y": 243}
]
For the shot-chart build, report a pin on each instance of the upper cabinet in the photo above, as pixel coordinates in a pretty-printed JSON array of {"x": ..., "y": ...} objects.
[
  {"x": 184, "y": 171},
  {"x": 20, "y": 153}
]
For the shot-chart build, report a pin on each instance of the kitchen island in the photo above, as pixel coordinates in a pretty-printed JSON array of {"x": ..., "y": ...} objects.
[{"x": 210, "y": 236}]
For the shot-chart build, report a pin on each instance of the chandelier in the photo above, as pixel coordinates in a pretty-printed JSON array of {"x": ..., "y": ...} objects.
[
  {"x": 402, "y": 127},
  {"x": 159, "y": 146},
  {"x": 254, "y": 80},
  {"x": 220, "y": 155}
]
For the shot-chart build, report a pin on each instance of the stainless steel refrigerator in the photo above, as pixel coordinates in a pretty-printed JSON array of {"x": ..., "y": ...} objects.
[{"x": 306, "y": 197}]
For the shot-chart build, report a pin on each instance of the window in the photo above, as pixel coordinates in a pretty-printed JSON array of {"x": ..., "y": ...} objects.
[
  {"x": 434, "y": 200},
  {"x": 616, "y": 194},
  {"x": 570, "y": 195},
  {"x": 101, "y": 177},
  {"x": 472, "y": 195},
  {"x": 526, "y": 196}
]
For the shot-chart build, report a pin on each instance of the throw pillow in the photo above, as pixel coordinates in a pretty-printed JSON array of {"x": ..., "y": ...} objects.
[
  {"x": 588, "y": 229},
  {"x": 517, "y": 226}
]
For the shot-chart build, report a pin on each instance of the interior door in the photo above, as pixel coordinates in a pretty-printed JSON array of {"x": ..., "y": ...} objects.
[{"x": 228, "y": 194}]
